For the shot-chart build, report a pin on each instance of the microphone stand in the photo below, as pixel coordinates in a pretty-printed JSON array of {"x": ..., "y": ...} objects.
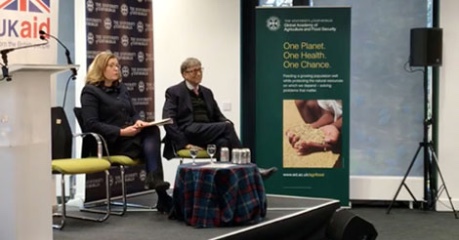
[
  {"x": 4, "y": 57},
  {"x": 67, "y": 52},
  {"x": 5, "y": 66},
  {"x": 4, "y": 53}
]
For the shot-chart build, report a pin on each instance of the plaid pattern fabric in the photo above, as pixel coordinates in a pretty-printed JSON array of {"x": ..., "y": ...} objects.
[{"x": 213, "y": 197}]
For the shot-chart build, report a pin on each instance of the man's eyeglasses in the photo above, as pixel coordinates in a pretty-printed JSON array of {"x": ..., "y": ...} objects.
[{"x": 196, "y": 70}]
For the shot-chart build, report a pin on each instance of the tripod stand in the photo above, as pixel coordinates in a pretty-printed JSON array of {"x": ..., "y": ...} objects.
[{"x": 430, "y": 165}]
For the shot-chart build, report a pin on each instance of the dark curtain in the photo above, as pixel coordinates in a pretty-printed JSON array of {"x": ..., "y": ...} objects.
[{"x": 248, "y": 74}]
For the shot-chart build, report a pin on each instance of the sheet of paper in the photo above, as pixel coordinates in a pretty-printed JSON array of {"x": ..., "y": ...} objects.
[{"x": 160, "y": 122}]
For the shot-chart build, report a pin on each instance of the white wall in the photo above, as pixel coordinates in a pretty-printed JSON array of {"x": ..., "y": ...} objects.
[
  {"x": 208, "y": 30},
  {"x": 448, "y": 104}
]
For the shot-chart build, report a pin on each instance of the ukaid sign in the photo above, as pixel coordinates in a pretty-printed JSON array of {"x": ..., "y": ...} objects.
[{"x": 20, "y": 23}]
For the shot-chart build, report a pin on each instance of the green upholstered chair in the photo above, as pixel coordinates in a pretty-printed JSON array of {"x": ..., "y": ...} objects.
[
  {"x": 63, "y": 164},
  {"x": 120, "y": 162}
]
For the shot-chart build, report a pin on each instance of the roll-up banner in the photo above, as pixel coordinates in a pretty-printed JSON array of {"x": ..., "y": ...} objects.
[
  {"x": 302, "y": 99},
  {"x": 20, "y": 22},
  {"x": 125, "y": 28}
]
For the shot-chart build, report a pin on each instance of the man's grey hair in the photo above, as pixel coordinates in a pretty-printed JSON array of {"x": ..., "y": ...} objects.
[{"x": 189, "y": 62}]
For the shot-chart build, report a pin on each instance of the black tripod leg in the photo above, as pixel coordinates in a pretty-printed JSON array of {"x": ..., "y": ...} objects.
[
  {"x": 434, "y": 159},
  {"x": 404, "y": 179}
]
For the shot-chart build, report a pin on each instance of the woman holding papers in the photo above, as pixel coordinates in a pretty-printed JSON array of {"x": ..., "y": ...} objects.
[{"x": 107, "y": 109}]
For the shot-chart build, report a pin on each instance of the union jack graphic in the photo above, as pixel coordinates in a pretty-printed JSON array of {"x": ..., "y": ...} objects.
[{"x": 38, "y": 6}]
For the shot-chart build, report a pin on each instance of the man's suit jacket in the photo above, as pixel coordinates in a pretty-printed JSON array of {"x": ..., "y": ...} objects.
[{"x": 178, "y": 106}]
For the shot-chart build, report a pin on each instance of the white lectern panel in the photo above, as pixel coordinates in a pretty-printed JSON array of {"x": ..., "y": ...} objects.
[{"x": 25, "y": 152}]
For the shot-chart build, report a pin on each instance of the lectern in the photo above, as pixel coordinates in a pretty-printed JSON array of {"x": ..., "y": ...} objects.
[{"x": 25, "y": 152}]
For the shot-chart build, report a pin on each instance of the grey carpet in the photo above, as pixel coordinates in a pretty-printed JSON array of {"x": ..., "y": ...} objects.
[
  {"x": 410, "y": 224},
  {"x": 401, "y": 223}
]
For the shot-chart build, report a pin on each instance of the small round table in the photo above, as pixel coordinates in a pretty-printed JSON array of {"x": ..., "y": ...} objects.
[{"x": 219, "y": 194}]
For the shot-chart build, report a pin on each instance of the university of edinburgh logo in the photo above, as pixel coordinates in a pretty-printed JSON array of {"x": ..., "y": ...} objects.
[{"x": 273, "y": 23}]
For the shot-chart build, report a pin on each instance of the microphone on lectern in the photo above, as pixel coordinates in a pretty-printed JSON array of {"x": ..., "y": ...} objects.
[
  {"x": 4, "y": 55},
  {"x": 67, "y": 52},
  {"x": 4, "y": 52}
]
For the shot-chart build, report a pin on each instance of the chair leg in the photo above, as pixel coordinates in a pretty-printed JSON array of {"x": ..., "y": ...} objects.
[
  {"x": 124, "y": 202},
  {"x": 107, "y": 210},
  {"x": 63, "y": 214},
  {"x": 106, "y": 213},
  {"x": 125, "y": 205}
]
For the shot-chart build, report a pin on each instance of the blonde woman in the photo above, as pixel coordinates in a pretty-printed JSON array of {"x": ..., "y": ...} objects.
[{"x": 107, "y": 109}]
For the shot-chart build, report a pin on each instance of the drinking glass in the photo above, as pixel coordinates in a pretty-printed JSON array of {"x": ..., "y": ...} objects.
[
  {"x": 211, "y": 150},
  {"x": 194, "y": 152}
]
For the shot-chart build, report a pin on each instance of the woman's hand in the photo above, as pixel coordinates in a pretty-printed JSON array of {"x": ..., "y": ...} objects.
[
  {"x": 140, "y": 124},
  {"x": 130, "y": 131}
]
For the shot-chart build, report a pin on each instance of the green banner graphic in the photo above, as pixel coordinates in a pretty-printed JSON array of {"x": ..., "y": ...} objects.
[{"x": 302, "y": 99}]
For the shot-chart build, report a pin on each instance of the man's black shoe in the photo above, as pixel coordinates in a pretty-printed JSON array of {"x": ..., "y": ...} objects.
[{"x": 266, "y": 173}]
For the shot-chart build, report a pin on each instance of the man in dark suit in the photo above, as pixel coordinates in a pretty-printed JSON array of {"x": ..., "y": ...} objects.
[{"x": 198, "y": 120}]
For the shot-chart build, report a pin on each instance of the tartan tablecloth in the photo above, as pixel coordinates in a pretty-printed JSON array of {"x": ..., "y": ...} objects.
[{"x": 221, "y": 194}]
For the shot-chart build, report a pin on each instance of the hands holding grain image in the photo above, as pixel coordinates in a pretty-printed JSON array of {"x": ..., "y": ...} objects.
[{"x": 321, "y": 131}]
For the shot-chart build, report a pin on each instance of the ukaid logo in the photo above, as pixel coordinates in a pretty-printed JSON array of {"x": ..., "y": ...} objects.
[
  {"x": 24, "y": 18},
  {"x": 26, "y": 5}
]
